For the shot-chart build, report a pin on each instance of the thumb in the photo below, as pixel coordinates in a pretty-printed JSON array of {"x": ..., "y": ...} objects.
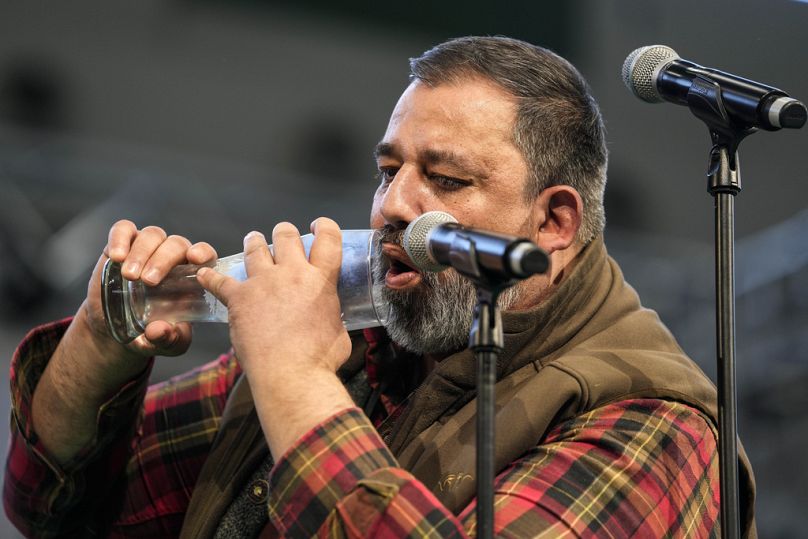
[
  {"x": 217, "y": 284},
  {"x": 164, "y": 339}
]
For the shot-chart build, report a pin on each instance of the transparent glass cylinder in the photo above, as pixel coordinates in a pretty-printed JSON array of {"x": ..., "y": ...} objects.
[{"x": 129, "y": 306}]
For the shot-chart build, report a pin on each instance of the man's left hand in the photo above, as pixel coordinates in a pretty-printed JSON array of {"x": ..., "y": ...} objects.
[{"x": 286, "y": 328}]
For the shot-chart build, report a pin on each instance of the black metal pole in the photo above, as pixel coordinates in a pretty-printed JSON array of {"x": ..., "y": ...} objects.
[
  {"x": 486, "y": 341},
  {"x": 725, "y": 328},
  {"x": 724, "y": 183},
  {"x": 486, "y": 377}
]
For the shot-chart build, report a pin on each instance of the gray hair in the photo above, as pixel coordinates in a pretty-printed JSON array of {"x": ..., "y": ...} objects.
[{"x": 558, "y": 127}]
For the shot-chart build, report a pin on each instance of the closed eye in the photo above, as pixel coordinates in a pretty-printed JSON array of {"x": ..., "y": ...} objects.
[
  {"x": 386, "y": 174},
  {"x": 448, "y": 183}
]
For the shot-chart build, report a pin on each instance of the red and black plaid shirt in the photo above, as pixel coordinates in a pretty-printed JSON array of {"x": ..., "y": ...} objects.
[{"x": 645, "y": 468}]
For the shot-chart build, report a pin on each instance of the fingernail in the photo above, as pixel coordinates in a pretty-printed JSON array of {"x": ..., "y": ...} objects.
[
  {"x": 151, "y": 275},
  {"x": 253, "y": 234},
  {"x": 133, "y": 267}
]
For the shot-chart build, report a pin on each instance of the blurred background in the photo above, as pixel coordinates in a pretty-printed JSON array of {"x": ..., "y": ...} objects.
[{"x": 211, "y": 118}]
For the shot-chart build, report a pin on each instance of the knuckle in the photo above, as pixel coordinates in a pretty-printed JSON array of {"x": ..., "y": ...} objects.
[
  {"x": 203, "y": 249},
  {"x": 125, "y": 223},
  {"x": 154, "y": 230},
  {"x": 285, "y": 229},
  {"x": 254, "y": 240},
  {"x": 327, "y": 227},
  {"x": 180, "y": 240},
  {"x": 327, "y": 222}
]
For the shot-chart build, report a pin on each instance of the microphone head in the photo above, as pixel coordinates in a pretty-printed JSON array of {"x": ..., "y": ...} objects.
[
  {"x": 416, "y": 239},
  {"x": 641, "y": 70}
]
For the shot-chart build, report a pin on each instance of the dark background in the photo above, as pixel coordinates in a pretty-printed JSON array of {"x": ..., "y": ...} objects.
[{"x": 213, "y": 118}]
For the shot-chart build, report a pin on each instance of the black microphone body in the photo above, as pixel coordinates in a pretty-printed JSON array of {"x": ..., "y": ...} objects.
[
  {"x": 656, "y": 73},
  {"x": 500, "y": 254},
  {"x": 748, "y": 103},
  {"x": 435, "y": 241}
]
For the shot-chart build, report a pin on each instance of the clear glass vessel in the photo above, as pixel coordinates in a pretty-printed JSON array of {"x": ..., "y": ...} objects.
[{"x": 129, "y": 306}]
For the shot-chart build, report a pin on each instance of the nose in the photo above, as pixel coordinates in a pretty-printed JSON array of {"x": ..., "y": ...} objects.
[{"x": 403, "y": 199}]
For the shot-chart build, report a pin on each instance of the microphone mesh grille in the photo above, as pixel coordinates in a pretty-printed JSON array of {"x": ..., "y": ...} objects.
[
  {"x": 641, "y": 68},
  {"x": 415, "y": 239}
]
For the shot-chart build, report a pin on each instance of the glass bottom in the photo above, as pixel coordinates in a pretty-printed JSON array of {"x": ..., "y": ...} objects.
[{"x": 123, "y": 327}]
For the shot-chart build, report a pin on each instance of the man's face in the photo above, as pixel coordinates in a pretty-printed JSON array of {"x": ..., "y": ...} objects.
[
  {"x": 447, "y": 148},
  {"x": 451, "y": 148}
]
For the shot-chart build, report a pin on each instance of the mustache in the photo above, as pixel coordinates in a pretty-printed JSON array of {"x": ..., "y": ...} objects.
[
  {"x": 395, "y": 235},
  {"x": 392, "y": 234}
]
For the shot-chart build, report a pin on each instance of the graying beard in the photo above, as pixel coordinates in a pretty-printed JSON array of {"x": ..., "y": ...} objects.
[{"x": 435, "y": 317}]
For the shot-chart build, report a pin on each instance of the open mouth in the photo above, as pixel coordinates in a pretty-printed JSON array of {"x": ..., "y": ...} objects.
[{"x": 401, "y": 273}]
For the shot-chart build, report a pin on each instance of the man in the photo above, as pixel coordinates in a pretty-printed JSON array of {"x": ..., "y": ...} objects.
[{"x": 604, "y": 427}]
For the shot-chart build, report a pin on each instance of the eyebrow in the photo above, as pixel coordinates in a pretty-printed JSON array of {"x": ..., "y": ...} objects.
[
  {"x": 384, "y": 149},
  {"x": 448, "y": 157},
  {"x": 434, "y": 157}
]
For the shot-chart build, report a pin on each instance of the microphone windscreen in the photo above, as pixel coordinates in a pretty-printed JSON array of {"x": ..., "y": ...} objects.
[
  {"x": 641, "y": 68},
  {"x": 416, "y": 235}
]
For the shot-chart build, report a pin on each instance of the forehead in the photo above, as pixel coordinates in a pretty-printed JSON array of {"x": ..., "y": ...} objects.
[{"x": 465, "y": 116}]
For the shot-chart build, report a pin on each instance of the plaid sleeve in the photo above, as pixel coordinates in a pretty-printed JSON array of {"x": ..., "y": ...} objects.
[
  {"x": 635, "y": 468},
  {"x": 141, "y": 465},
  {"x": 39, "y": 495}
]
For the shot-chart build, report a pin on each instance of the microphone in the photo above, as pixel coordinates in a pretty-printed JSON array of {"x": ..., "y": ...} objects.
[
  {"x": 656, "y": 73},
  {"x": 434, "y": 241}
]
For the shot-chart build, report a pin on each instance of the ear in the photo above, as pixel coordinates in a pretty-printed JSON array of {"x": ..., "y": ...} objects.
[{"x": 560, "y": 209}]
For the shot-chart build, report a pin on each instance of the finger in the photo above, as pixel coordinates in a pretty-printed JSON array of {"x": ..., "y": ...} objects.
[
  {"x": 287, "y": 244},
  {"x": 159, "y": 334},
  {"x": 257, "y": 257},
  {"x": 217, "y": 284},
  {"x": 201, "y": 253},
  {"x": 326, "y": 251},
  {"x": 167, "y": 339},
  {"x": 170, "y": 253},
  {"x": 146, "y": 242},
  {"x": 120, "y": 238}
]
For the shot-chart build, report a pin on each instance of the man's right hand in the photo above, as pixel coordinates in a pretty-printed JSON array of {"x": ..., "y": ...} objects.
[
  {"x": 147, "y": 255},
  {"x": 88, "y": 365}
]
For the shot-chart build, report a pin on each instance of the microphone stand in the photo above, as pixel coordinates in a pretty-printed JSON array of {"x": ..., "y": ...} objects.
[
  {"x": 486, "y": 340},
  {"x": 724, "y": 183}
]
